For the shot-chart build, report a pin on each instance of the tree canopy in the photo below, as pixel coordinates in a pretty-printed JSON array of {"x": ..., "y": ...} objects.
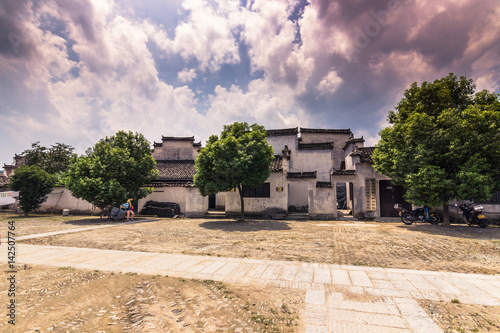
[
  {"x": 116, "y": 168},
  {"x": 241, "y": 156},
  {"x": 54, "y": 160},
  {"x": 33, "y": 185},
  {"x": 443, "y": 143}
]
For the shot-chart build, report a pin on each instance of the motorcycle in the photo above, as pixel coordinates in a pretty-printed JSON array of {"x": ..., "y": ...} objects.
[
  {"x": 419, "y": 214},
  {"x": 473, "y": 214}
]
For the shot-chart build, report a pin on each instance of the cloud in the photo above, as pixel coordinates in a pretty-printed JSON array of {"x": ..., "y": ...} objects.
[
  {"x": 74, "y": 72},
  {"x": 208, "y": 34},
  {"x": 330, "y": 83},
  {"x": 187, "y": 75}
]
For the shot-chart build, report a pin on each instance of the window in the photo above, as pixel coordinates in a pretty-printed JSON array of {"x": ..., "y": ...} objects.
[
  {"x": 370, "y": 198},
  {"x": 262, "y": 191}
]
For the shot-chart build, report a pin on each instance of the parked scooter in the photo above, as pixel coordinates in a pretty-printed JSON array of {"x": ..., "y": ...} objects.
[
  {"x": 473, "y": 214},
  {"x": 419, "y": 214}
]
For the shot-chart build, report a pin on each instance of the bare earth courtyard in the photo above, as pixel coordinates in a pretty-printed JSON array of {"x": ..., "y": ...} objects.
[{"x": 68, "y": 299}]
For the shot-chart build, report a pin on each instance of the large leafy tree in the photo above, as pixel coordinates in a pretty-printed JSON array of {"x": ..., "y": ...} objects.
[
  {"x": 116, "y": 168},
  {"x": 241, "y": 156},
  {"x": 33, "y": 185},
  {"x": 55, "y": 160},
  {"x": 443, "y": 143}
]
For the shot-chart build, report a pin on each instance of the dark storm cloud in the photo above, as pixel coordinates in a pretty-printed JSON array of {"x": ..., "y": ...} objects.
[
  {"x": 15, "y": 40},
  {"x": 396, "y": 42},
  {"x": 81, "y": 13}
]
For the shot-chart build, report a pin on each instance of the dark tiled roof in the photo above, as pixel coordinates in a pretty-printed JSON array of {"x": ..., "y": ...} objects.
[
  {"x": 8, "y": 166},
  {"x": 301, "y": 174},
  {"x": 330, "y": 131},
  {"x": 365, "y": 154},
  {"x": 353, "y": 141},
  {"x": 175, "y": 170},
  {"x": 316, "y": 146},
  {"x": 283, "y": 131},
  {"x": 277, "y": 164},
  {"x": 177, "y": 138},
  {"x": 171, "y": 184},
  {"x": 343, "y": 172},
  {"x": 4, "y": 181},
  {"x": 323, "y": 184}
]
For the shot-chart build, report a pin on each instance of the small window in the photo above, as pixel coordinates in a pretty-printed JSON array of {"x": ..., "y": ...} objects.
[
  {"x": 262, "y": 191},
  {"x": 370, "y": 198}
]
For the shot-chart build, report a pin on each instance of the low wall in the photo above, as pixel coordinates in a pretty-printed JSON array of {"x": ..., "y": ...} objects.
[{"x": 61, "y": 198}]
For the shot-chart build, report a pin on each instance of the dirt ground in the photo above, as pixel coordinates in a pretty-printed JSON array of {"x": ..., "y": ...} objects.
[
  {"x": 67, "y": 299},
  {"x": 73, "y": 300},
  {"x": 392, "y": 245}
]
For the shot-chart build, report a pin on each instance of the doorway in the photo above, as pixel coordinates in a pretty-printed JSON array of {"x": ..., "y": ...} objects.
[{"x": 389, "y": 196}]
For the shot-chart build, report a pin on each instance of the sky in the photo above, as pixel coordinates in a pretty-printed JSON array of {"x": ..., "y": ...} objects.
[{"x": 75, "y": 71}]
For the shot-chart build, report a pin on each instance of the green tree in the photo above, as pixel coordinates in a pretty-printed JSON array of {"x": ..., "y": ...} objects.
[
  {"x": 443, "y": 143},
  {"x": 55, "y": 160},
  {"x": 116, "y": 168},
  {"x": 33, "y": 185},
  {"x": 241, "y": 156}
]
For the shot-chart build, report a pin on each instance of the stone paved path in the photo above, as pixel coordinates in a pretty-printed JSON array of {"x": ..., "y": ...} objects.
[{"x": 327, "y": 309}]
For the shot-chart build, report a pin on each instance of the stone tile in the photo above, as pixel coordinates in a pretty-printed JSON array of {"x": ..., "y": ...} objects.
[
  {"x": 471, "y": 277},
  {"x": 442, "y": 285},
  {"x": 472, "y": 299},
  {"x": 363, "y": 268},
  {"x": 466, "y": 287},
  {"x": 187, "y": 263},
  {"x": 316, "y": 329},
  {"x": 350, "y": 327},
  {"x": 227, "y": 269},
  {"x": 409, "y": 307},
  {"x": 256, "y": 271},
  {"x": 419, "y": 282},
  {"x": 213, "y": 267},
  {"x": 412, "y": 271},
  {"x": 367, "y": 318},
  {"x": 341, "y": 277},
  {"x": 288, "y": 273},
  {"x": 322, "y": 275},
  {"x": 388, "y": 292},
  {"x": 487, "y": 287},
  {"x": 315, "y": 297},
  {"x": 315, "y": 314},
  {"x": 400, "y": 281},
  {"x": 304, "y": 274},
  {"x": 272, "y": 272},
  {"x": 360, "y": 278},
  {"x": 424, "y": 325},
  {"x": 372, "y": 307}
]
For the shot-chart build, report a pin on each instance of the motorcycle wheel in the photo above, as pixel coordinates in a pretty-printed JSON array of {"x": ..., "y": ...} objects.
[
  {"x": 406, "y": 218},
  {"x": 434, "y": 219},
  {"x": 482, "y": 223}
]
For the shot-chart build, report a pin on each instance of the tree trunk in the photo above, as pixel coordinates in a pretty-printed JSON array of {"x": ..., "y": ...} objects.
[
  {"x": 446, "y": 214},
  {"x": 242, "y": 211}
]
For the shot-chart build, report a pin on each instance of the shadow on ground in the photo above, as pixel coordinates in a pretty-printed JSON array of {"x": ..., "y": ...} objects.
[
  {"x": 456, "y": 230},
  {"x": 245, "y": 226}
]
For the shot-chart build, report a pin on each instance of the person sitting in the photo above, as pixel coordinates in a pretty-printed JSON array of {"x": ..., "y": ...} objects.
[{"x": 129, "y": 208}]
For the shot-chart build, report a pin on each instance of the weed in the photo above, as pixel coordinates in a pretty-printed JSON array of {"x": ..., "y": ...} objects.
[{"x": 455, "y": 301}]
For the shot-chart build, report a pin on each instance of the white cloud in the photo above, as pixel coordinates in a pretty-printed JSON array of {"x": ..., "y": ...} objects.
[
  {"x": 330, "y": 83},
  {"x": 187, "y": 75},
  {"x": 208, "y": 34}
]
